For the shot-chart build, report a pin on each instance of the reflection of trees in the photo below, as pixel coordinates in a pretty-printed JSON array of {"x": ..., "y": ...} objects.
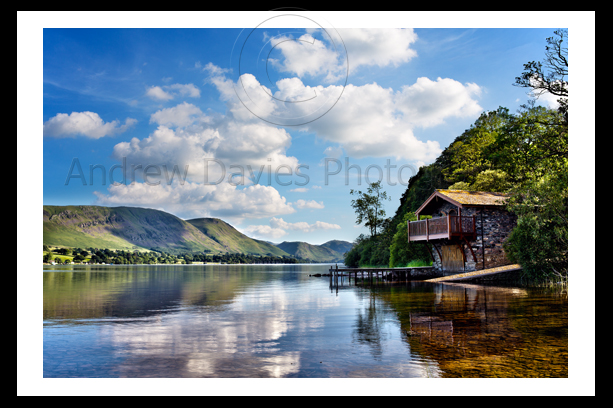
[
  {"x": 137, "y": 291},
  {"x": 367, "y": 330},
  {"x": 481, "y": 331}
]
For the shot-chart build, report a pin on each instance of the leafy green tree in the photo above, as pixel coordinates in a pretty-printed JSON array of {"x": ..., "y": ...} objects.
[
  {"x": 533, "y": 142},
  {"x": 369, "y": 207},
  {"x": 535, "y": 151},
  {"x": 488, "y": 180},
  {"x": 467, "y": 156},
  {"x": 549, "y": 76},
  {"x": 352, "y": 257},
  {"x": 539, "y": 242},
  {"x": 492, "y": 180},
  {"x": 401, "y": 250}
]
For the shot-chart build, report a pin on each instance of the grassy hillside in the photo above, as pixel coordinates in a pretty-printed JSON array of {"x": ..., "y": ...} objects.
[
  {"x": 232, "y": 240},
  {"x": 339, "y": 246},
  {"x": 132, "y": 228},
  {"x": 318, "y": 253},
  {"x": 122, "y": 228}
]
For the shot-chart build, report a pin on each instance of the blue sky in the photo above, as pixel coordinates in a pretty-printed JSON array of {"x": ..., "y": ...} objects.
[{"x": 274, "y": 101}]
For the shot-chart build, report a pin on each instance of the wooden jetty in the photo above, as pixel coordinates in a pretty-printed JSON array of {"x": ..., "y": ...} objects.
[
  {"x": 420, "y": 273},
  {"x": 383, "y": 274}
]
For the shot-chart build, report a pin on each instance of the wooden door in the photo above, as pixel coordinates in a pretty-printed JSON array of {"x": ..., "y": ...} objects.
[{"x": 453, "y": 259}]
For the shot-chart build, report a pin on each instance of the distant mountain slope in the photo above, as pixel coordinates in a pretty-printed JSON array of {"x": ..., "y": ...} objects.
[
  {"x": 133, "y": 228},
  {"x": 233, "y": 240},
  {"x": 122, "y": 228},
  {"x": 339, "y": 246},
  {"x": 317, "y": 253}
]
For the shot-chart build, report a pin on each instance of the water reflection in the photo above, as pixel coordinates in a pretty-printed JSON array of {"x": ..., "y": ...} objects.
[
  {"x": 484, "y": 331},
  {"x": 276, "y": 321}
]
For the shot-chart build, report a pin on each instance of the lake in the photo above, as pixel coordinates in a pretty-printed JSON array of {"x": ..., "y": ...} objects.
[{"x": 271, "y": 321}]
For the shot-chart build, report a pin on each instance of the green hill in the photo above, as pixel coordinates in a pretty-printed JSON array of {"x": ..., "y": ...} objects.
[
  {"x": 339, "y": 246},
  {"x": 122, "y": 228},
  {"x": 317, "y": 253},
  {"x": 232, "y": 240},
  {"x": 133, "y": 228}
]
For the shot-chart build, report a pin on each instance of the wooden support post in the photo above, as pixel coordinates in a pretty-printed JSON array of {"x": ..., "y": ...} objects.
[
  {"x": 430, "y": 252},
  {"x": 471, "y": 250}
]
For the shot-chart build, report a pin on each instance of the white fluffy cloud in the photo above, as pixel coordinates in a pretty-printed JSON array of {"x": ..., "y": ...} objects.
[
  {"x": 312, "y": 204},
  {"x": 367, "y": 120},
  {"x": 279, "y": 228},
  {"x": 183, "y": 114},
  {"x": 187, "y": 137},
  {"x": 168, "y": 92},
  {"x": 378, "y": 46},
  {"x": 157, "y": 93},
  {"x": 301, "y": 226},
  {"x": 197, "y": 146},
  {"x": 265, "y": 231},
  {"x": 429, "y": 103},
  {"x": 373, "y": 121},
  {"x": 191, "y": 200},
  {"x": 307, "y": 55},
  {"x": 88, "y": 124}
]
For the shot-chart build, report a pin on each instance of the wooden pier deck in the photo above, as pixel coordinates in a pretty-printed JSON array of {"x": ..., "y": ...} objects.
[
  {"x": 394, "y": 274},
  {"x": 415, "y": 273}
]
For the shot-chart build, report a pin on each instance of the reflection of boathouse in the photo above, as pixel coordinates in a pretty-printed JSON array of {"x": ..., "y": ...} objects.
[{"x": 466, "y": 231}]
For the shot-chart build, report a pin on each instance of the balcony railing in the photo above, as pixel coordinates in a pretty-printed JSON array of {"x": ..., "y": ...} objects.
[{"x": 452, "y": 226}]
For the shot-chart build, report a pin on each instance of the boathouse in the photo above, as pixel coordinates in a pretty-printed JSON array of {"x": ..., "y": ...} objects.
[{"x": 466, "y": 231}]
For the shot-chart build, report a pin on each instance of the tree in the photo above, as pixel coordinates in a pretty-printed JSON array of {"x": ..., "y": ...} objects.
[
  {"x": 488, "y": 180},
  {"x": 539, "y": 242},
  {"x": 551, "y": 75},
  {"x": 535, "y": 150},
  {"x": 402, "y": 251},
  {"x": 369, "y": 207},
  {"x": 468, "y": 154}
]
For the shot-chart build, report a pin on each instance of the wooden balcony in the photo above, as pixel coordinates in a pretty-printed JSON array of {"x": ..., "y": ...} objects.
[{"x": 449, "y": 227}]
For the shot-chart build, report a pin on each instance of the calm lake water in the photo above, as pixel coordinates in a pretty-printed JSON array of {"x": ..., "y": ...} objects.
[{"x": 252, "y": 321}]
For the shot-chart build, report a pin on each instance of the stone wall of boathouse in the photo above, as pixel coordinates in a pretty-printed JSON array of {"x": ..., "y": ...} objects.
[{"x": 493, "y": 227}]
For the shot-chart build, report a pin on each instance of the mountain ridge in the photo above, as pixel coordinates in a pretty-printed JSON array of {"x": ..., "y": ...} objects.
[
  {"x": 137, "y": 228},
  {"x": 308, "y": 251}
]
